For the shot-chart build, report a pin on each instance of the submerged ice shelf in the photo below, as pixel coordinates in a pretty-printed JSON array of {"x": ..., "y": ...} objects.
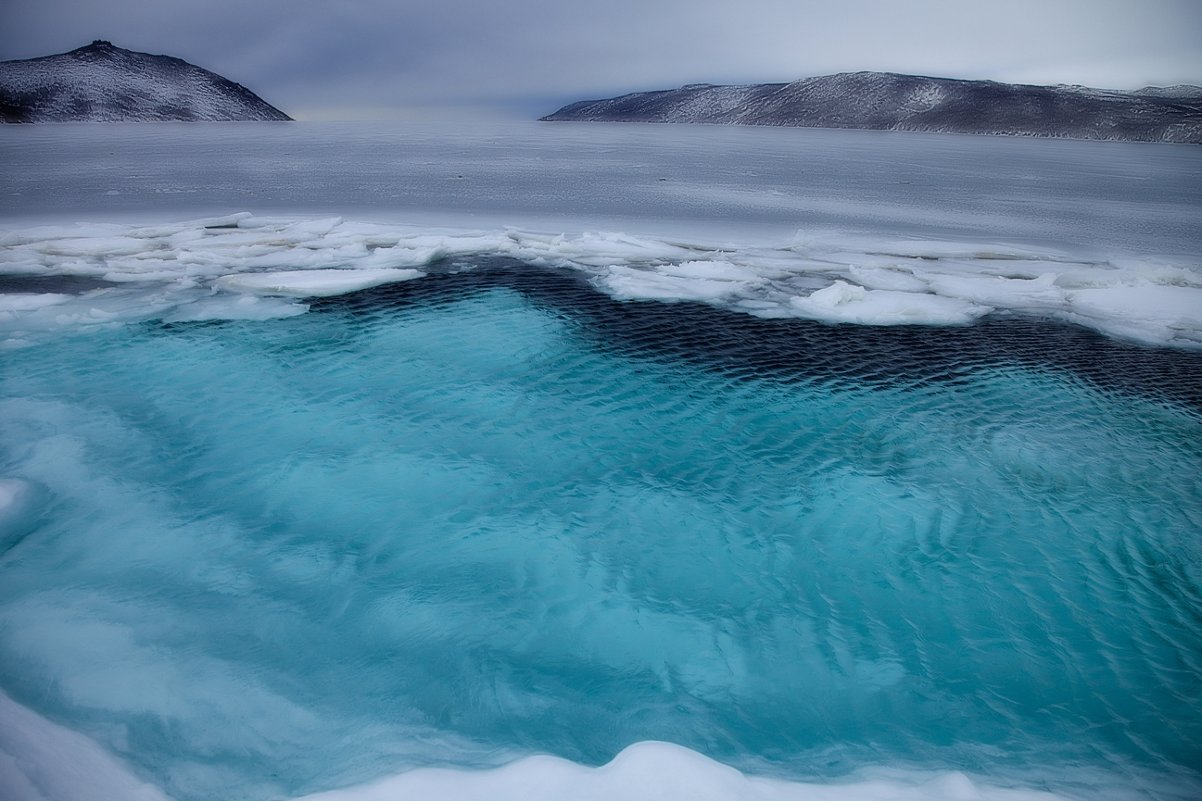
[{"x": 239, "y": 267}]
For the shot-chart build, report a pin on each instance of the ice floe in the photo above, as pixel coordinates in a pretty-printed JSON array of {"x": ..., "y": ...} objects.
[
  {"x": 207, "y": 269},
  {"x": 313, "y": 283}
]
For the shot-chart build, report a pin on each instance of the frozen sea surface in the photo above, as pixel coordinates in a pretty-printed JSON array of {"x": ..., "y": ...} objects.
[
  {"x": 842, "y": 226},
  {"x": 867, "y": 465}
]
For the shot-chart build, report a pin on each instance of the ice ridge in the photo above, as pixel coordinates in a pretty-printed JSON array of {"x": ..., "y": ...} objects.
[{"x": 247, "y": 267}]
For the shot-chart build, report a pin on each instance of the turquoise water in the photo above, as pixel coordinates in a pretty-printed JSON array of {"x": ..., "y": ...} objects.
[{"x": 419, "y": 526}]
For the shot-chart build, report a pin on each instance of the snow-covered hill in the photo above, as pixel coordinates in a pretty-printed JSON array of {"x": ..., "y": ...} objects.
[
  {"x": 888, "y": 101},
  {"x": 104, "y": 83}
]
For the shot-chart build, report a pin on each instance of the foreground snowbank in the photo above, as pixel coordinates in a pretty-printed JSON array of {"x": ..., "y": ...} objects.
[
  {"x": 43, "y": 761},
  {"x": 655, "y": 771}
]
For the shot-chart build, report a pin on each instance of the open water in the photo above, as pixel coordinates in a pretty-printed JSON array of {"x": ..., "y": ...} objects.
[{"x": 589, "y": 436}]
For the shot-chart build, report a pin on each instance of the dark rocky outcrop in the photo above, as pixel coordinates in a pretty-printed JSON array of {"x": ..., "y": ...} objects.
[
  {"x": 888, "y": 101},
  {"x": 104, "y": 83}
]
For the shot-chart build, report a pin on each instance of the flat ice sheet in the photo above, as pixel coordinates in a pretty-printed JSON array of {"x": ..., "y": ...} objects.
[{"x": 1106, "y": 197}]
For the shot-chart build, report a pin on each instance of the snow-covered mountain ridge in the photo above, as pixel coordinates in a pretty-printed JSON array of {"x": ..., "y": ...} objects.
[
  {"x": 105, "y": 83},
  {"x": 889, "y": 101}
]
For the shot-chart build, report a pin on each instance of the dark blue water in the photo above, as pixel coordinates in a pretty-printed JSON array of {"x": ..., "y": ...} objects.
[{"x": 492, "y": 514}]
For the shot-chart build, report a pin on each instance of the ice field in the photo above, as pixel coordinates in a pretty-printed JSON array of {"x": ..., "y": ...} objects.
[{"x": 598, "y": 461}]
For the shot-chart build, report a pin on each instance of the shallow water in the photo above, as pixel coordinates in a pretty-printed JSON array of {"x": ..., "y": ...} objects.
[{"x": 453, "y": 522}]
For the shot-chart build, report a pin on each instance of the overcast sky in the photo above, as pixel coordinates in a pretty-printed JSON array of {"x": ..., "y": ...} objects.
[{"x": 378, "y": 58}]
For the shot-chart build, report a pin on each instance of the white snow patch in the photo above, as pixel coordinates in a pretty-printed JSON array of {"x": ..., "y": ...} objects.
[
  {"x": 314, "y": 283},
  {"x": 20, "y": 302},
  {"x": 1014, "y": 294},
  {"x": 691, "y": 280},
  {"x": 242, "y": 307},
  {"x": 1147, "y": 312},
  {"x": 657, "y": 771},
  {"x": 846, "y": 303},
  {"x": 43, "y": 761}
]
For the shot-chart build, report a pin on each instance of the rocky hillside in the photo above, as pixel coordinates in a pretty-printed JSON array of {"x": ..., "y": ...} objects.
[
  {"x": 888, "y": 101},
  {"x": 104, "y": 83}
]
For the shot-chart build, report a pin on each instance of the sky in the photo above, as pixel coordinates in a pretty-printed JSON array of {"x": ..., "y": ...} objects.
[{"x": 363, "y": 59}]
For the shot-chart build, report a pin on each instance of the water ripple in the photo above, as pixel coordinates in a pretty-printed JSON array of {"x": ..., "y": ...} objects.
[{"x": 500, "y": 513}]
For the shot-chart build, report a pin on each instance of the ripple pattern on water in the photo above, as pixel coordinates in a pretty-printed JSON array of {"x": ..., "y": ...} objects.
[{"x": 497, "y": 513}]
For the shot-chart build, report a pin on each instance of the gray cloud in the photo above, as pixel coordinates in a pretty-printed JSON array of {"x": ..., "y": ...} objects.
[{"x": 372, "y": 56}]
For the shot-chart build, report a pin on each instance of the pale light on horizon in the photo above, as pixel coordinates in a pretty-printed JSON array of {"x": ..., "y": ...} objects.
[{"x": 374, "y": 59}]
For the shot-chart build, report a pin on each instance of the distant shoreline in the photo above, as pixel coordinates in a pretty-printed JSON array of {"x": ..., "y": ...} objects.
[
  {"x": 919, "y": 104},
  {"x": 101, "y": 82}
]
